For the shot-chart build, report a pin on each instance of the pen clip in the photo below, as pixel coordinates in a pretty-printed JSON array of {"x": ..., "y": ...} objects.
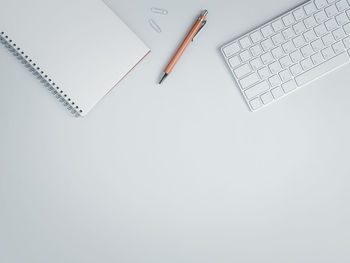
[{"x": 204, "y": 22}]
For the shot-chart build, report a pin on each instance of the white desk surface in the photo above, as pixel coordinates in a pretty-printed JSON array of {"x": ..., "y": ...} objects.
[{"x": 177, "y": 173}]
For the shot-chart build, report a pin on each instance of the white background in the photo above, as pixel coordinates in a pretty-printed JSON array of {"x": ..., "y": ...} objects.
[{"x": 181, "y": 172}]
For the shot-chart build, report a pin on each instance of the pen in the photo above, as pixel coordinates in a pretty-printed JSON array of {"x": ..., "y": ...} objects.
[{"x": 200, "y": 22}]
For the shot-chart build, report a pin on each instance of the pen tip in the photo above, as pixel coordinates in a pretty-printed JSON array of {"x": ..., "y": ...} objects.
[{"x": 163, "y": 78}]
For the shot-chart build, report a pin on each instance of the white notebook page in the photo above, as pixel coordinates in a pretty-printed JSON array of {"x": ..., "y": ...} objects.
[{"x": 80, "y": 44}]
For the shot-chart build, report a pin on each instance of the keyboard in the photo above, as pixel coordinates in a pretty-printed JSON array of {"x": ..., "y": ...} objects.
[{"x": 290, "y": 51}]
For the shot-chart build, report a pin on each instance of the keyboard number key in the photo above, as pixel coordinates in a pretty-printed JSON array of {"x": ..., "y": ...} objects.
[
  {"x": 277, "y": 25},
  {"x": 267, "y": 31},
  {"x": 256, "y": 36},
  {"x": 310, "y": 8},
  {"x": 320, "y": 16},
  {"x": 245, "y": 42},
  {"x": 266, "y": 98},
  {"x": 231, "y": 49},
  {"x": 299, "y": 14},
  {"x": 320, "y": 3},
  {"x": 288, "y": 20},
  {"x": 277, "y": 92}
]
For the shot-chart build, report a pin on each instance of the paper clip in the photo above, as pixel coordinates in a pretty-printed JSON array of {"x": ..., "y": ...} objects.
[
  {"x": 154, "y": 25},
  {"x": 159, "y": 11}
]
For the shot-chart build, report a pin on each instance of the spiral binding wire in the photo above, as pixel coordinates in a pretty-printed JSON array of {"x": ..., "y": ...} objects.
[{"x": 34, "y": 68}]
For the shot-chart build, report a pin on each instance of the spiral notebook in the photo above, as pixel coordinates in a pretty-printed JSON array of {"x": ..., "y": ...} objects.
[{"x": 79, "y": 48}]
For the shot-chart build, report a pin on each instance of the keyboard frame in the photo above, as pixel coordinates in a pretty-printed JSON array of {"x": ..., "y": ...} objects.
[{"x": 247, "y": 33}]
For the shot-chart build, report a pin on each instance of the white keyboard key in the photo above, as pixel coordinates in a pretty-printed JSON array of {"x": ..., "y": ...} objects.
[
  {"x": 288, "y": 20},
  {"x": 320, "y": 3},
  {"x": 342, "y": 19},
  {"x": 255, "y": 103},
  {"x": 338, "y": 47},
  {"x": 306, "y": 64},
  {"x": 264, "y": 73},
  {"x": 317, "y": 45},
  {"x": 342, "y": 5},
  {"x": 267, "y": 31},
  {"x": 245, "y": 42},
  {"x": 328, "y": 53},
  {"x": 256, "y": 63},
  {"x": 286, "y": 62},
  {"x": 289, "y": 86},
  {"x": 296, "y": 69},
  {"x": 234, "y": 61},
  {"x": 331, "y": 24},
  {"x": 256, "y": 50},
  {"x": 275, "y": 81},
  {"x": 299, "y": 14},
  {"x": 249, "y": 80},
  {"x": 288, "y": 33},
  {"x": 267, "y": 44},
  {"x": 296, "y": 56},
  {"x": 331, "y": 11},
  {"x": 320, "y": 16},
  {"x": 338, "y": 34},
  {"x": 266, "y": 98},
  {"x": 245, "y": 55},
  {"x": 275, "y": 67},
  {"x": 310, "y": 8},
  {"x": 320, "y": 30},
  {"x": 277, "y": 25},
  {"x": 277, "y": 39},
  {"x": 322, "y": 69},
  {"x": 288, "y": 47},
  {"x": 231, "y": 49},
  {"x": 346, "y": 42},
  {"x": 277, "y": 52},
  {"x": 299, "y": 41},
  {"x": 277, "y": 92},
  {"x": 267, "y": 58},
  {"x": 310, "y": 22},
  {"x": 328, "y": 40},
  {"x": 306, "y": 51},
  {"x": 299, "y": 28},
  {"x": 257, "y": 90},
  {"x": 256, "y": 36},
  {"x": 285, "y": 75},
  {"x": 317, "y": 58},
  {"x": 310, "y": 35},
  {"x": 347, "y": 28},
  {"x": 242, "y": 71}
]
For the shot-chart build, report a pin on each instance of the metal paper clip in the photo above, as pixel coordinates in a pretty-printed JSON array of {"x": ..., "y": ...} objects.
[
  {"x": 154, "y": 25},
  {"x": 159, "y": 11}
]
